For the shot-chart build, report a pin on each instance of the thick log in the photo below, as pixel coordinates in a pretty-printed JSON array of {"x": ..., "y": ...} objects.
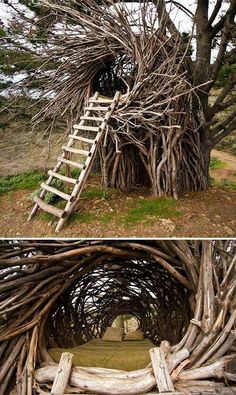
[
  {"x": 175, "y": 359},
  {"x": 63, "y": 374},
  {"x": 216, "y": 369},
  {"x": 91, "y": 382},
  {"x": 225, "y": 347},
  {"x": 162, "y": 376}
]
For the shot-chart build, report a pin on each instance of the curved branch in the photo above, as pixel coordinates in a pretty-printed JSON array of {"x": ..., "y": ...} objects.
[
  {"x": 223, "y": 129},
  {"x": 219, "y": 103},
  {"x": 229, "y": 16},
  {"x": 215, "y": 12}
]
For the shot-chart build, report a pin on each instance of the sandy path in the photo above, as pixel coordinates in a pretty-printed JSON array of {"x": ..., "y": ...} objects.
[{"x": 230, "y": 160}]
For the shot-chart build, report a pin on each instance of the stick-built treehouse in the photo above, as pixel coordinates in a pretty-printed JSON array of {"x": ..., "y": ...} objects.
[
  {"x": 59, "y": 299},
  {"x": 152, "y": 136}
]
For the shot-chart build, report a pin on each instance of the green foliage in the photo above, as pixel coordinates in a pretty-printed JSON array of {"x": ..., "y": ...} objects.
[
  {"x": 224, "y": 74},
  {"x": 149, "y": 209},
  {"x": 228, "y": 144},
  {"x": 83, "y": 218},
  {"x": 25, "y": 180},
  {"x": 2, "y": 33},
  {"x": 31, "y": 5},
  {"x": 186, "y": 38},
  {"x": 226, "y": 184},
  {"x": 108, "y": 217},
  {"x": 16, "y": 61},
  {"x": 94, "y": 193},
  {"x": 216, "y": 164}
]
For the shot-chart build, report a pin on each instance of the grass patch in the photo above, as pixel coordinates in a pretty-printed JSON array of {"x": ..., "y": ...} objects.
[
  {"x": 216, "y": 164},
  {"x": 225, "y": 184},
  {"x": 47, "y": 217},
  {"x": 83, "y": 218},
  {"x": 80, "y": 217},
  {"x": 25, "y": 180},
  {"x": 106, "y": 218},
  {"x": 148, "y": 210},
  {"x": 95, "y": 193}
]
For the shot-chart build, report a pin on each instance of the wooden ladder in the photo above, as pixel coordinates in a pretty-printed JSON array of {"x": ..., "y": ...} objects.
[{"x": 97, "y": 104}]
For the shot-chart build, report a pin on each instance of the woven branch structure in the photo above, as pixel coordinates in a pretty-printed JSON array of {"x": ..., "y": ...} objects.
[
  {"x": 183, "y": 293},
  {"x": 154, "y": 136}
]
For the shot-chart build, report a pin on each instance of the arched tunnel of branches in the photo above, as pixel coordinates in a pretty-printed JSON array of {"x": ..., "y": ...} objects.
[
  {"x": 119, "y": 287},
  {"x": 183, "y": 294}
]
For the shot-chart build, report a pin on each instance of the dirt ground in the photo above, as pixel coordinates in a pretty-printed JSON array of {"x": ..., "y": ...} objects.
[
  {"x": 228, "y": 172},
  {"x": 204, "y": 214}
]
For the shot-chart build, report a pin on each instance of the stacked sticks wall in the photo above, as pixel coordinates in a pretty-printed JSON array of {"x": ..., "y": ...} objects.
[{"x": 38, "y": 278}]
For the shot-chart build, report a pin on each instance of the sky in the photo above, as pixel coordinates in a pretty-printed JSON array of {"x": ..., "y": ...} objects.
[{"x": 181, "y": 20}]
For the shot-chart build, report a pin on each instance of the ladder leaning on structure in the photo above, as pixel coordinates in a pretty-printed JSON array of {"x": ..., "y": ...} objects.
[{"x": 96, "y": 104}]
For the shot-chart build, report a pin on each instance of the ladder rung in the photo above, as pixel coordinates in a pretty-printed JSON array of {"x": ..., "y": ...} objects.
[
  {"x": 61, "y": 177},
  {"x": 84, "y": 118},
  {"x": 83, "y": 139},
  {"x": 96, "y": 109},
  {"x": 48, "y": 188},
  {"x": 101, "y": 100},
  {"x": 71, "y": 163},
  {"x": 47, "y": 207},
  {"x": 76, "y": 151},
  {"x": 88, "y": 128}
]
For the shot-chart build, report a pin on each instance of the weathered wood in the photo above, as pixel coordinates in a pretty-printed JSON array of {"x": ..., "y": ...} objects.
[
  {"x": 48, "y": 188},
  {"x": 61, "y": 160},
  {"x": 47, "y": 207},
  {"x": 97, "y": 109},
  {"x": 83, "y": 139},
  {"x": 63, "y": 374},
  {"x": 85, "y": 167},
  {"x": 100, "y": 100},
  {"x": 89, "y": 118},
  {"x": 35, "y": 273},
  {"x": 175, "y": 358},
  {"x": 215, "y": 370},
  {"x": 162, "y": 376},
  {"x": 71, "y": 163},
  {"x": 31, "y": 360},
  {"x": 61, "y": 177},
  {"x": 225, "y": 347},
  {"x": 7, "y": 364},
  {"x": 102, "y": 385},
  {"x": 75, "y": 151},
  {"x": 87, "y": 128}
]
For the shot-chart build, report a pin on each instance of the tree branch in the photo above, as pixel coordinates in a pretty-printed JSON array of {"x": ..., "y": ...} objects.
[
  {"x": 219, "y": 103},
  {"x": 222, "y": 129},
  {"x": 165, "y": 19},
  {"x": 229, "y": 16},
  {"x": 225, "y": 38},
  {"x": 215, "y": 12},
  {"x": 181, "y": 7}
]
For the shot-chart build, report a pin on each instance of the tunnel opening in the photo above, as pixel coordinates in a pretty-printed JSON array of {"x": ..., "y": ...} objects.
[{"x": 120, "y": 288}]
